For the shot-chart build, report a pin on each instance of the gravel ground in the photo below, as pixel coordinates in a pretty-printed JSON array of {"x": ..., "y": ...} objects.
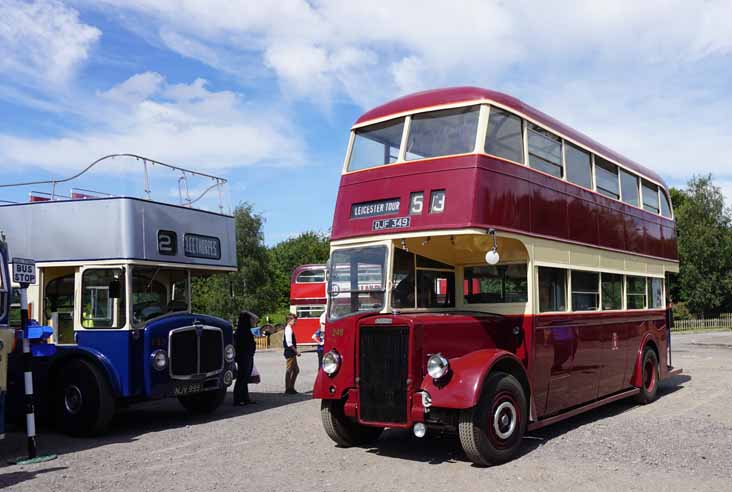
[{"x": 681, "y": 442}]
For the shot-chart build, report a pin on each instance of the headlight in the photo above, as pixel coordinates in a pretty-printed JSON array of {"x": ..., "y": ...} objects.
[
  {"x": 159, "y": 360},
  {"x": 437, "y": 366},
  {"x": 331, "y": 362},
  {"x": 229, "y": 353}
]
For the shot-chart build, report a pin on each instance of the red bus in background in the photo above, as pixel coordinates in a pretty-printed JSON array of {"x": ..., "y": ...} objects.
[
  {"x": 492, "y": 271},
  {"x": 307, "y": 300}
]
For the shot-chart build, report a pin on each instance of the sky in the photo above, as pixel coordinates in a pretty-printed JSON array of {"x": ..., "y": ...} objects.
[{"x": 263, "y": 93}]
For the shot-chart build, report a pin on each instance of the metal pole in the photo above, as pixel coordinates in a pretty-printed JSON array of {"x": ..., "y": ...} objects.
[
  {"x": 221, "y": 198},
  {"x": 30, "y": 418},
  {"x": 147, "y": 179}
]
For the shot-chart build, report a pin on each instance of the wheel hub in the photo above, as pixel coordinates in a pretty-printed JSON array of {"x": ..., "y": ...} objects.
[
  {"x": 73, "y": 399},
  {"x": 504, "y": 420}
]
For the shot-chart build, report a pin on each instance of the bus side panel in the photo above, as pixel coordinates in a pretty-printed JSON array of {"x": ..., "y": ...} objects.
[{"x": 113, "y": 348}]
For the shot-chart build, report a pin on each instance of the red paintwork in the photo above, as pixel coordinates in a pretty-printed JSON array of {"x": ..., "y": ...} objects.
[
  {"x": 452, "y": 95},
  {"x": 483, "y": 192},
  {"x": 572, "y": 360},
  {"x": 465, "y": 387}
]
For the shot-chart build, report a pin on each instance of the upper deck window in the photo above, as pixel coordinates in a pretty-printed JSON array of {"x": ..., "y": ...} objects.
[
  {"x": 310, "y": 276},
  {"x": 607, "y": 178},
  {"x": 665, "y": 205},
  {"x": 505, "y": 137},
  {"x": 579, "y": 165},
  {"x": 446, "y": 132},
  {"x": 545, "y": 151},
  {"x": 629, "y": 186},
  {"x": 376, "y": 145},
  {"x": 650, "y": 197}
]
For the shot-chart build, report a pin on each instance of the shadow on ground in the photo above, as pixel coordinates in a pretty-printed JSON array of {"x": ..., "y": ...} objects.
[
  {"x": 130, "y": 423},
  {"x": 438, "y": 449}
]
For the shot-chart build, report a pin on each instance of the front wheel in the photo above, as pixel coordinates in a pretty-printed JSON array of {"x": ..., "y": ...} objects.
[
  {"x": 83, "y": 402},
  {"x": 203, "y": 403},
  {"x": 649, "y": 370},
  {"x": 491, "y": 432},
  {"x": 344, "y": 431}
]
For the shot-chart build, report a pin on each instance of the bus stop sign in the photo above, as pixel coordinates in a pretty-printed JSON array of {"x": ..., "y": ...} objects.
[{"x": 24, "y": 271}]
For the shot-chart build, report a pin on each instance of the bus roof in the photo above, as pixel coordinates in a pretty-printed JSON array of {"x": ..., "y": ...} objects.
[
  {"x": 455, "y": 95},
  {"x": 119, "y": 228}
]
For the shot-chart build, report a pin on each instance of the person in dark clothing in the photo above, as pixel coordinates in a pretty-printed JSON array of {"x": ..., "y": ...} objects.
[{"x": 245, "y": 347}]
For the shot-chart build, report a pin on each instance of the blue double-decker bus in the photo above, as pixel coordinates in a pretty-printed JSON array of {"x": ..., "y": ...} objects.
[{"x": 114, "y": 283}]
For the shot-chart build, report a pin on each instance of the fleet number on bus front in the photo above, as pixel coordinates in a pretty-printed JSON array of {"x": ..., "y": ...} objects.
[{"x": 395, "y": 223}]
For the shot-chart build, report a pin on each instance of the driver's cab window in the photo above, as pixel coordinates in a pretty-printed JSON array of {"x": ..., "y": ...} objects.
[
  {"x": 420, "y": 282},
  {"x": 158, "y": 291},
  {"x": 103, "y": 298}
]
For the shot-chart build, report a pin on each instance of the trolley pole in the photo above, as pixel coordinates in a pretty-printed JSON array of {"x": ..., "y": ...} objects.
[{"x": 24, "y": 272}]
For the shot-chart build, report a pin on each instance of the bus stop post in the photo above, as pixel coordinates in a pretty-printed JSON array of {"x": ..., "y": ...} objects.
[{"x": 30, "y": 418}]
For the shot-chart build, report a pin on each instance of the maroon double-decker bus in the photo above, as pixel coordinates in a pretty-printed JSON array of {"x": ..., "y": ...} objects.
[{"x": 492, "y": 271}]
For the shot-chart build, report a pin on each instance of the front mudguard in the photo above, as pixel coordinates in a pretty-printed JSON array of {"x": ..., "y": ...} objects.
[{"x": 462, "y": 386}]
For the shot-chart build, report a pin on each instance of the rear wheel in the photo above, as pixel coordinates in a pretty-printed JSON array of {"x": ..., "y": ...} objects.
[
  {"x": 203, "y": 403},
  {"x": 344, "y": 431},
  {"x": 83, "y": 402},
  {"x": 649, "y": 371},
  {"x": 491, "y": 432}
]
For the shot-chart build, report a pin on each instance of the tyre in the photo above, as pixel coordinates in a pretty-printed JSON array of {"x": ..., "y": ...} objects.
[
  {"x": 342, "y": 430},
  {"x": 650, "y": 376},
  {"x": 203, "y": 403},
  {"x": 83, "y": 403},
  {"x": 491, "y": 432}
]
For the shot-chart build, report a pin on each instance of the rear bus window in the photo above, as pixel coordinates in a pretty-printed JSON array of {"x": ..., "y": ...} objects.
[
  {"x": 447, "y": 132},
  {"x": 579, "y": 165},
  {"x": 505, "y": 136},
  {"x": 495, "y": 284},
  {"x": 545, "y": 151},
  {"x": 552, "y": 289},
  {"x": 585, "y": 291},
  {"x": 376, "y": 145},
  {"x": 636, "y": 296},
  {"x": 629, "y": 186},
  {"x": 607, "y": 178}
]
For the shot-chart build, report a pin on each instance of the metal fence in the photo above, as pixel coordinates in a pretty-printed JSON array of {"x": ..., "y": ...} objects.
[{"x": 681, "y": 325}]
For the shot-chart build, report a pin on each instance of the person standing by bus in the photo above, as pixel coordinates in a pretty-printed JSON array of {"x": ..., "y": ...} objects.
[
  {"x": 289, "y": 343},
  {"x": 245, "y": 347},
  {"x": 319, "y": 338}
]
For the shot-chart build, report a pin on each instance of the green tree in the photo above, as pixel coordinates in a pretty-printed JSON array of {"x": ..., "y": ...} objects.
[
  {"x": 249, "y": 287},
  {"x": 308, "y": 247},
  {"x": 705, "y": 247}
]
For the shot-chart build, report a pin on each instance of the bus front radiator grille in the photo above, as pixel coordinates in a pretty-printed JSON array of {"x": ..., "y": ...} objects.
[
  {"x": 196, "y": 351},
  {"x": 383, "y": 372},
  {"x": 212, "y": 351}
]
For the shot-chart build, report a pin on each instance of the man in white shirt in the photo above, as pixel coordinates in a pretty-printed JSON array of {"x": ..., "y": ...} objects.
[{"x": 291, "y": 354}]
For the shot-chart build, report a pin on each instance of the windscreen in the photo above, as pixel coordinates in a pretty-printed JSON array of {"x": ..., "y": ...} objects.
[
  {"x": 357, "y": 280},
  {"x": 158, "y": 291}
]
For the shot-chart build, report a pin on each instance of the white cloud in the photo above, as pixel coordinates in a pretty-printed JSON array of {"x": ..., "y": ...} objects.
[
  {"x": 178, "y": 123},
  {"x": 43, "y": 42}
]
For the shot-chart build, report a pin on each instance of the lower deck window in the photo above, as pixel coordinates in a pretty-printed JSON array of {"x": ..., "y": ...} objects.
[
  {"x": 585, "y": 291},
  {"x": 552, "y": 289},
  {"x": 612, "y": 292},
  {"x": 636, "y": 292},
  {"x": 655, "y": 293},
  {"x": 102, "y": 302},
  {"x": 495, "y": 284}
]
